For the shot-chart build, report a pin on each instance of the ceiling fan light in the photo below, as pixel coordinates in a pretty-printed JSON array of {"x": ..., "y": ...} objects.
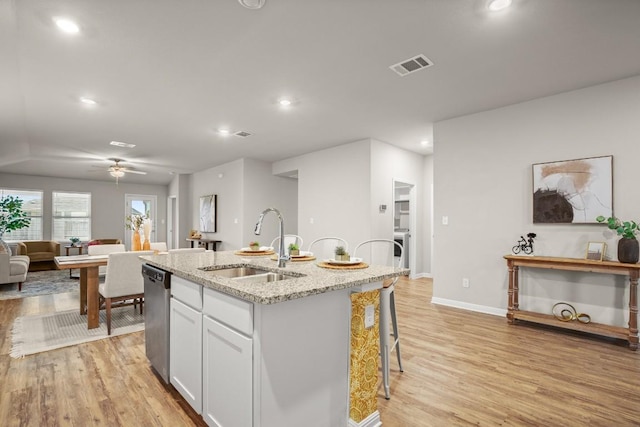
[
  {"x": 67, "y": 25},
  {"x": 117, "y": 173}
]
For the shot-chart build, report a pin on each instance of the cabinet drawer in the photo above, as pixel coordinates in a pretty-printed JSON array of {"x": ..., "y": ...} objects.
[
  {"x": 231, "y": 311},
  {"x": 188, "y": 292}
]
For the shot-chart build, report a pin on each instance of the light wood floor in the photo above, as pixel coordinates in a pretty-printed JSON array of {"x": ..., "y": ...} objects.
[{"x": 461, "y": 368}]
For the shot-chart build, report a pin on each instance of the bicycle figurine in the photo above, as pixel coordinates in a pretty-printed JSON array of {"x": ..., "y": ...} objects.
[{"x": 524, "y": 245}]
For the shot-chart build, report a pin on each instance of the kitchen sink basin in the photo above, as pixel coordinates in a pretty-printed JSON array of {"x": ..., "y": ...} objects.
[
  {"x": 235, "y": 272},
  {"x": 250, "y": 274}
]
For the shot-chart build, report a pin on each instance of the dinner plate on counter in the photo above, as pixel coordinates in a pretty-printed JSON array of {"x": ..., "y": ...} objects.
[
  {"x": 352, "y": 261},
  {"x": 262, "y": 249},
  {"x": 302, "y": 254}
]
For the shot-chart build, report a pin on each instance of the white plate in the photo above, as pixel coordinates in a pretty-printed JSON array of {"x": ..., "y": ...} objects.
[
  {"x": 262, "y": 249},
  {"x": 352, "y": 261},
  {"x": 302, "y": 254}
]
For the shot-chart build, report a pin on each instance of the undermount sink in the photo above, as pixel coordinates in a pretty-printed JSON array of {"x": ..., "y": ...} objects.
[{"x": 250, "y": 274}]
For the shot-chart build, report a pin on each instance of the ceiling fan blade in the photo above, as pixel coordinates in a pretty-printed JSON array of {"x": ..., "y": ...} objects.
[{"x": 134, "y": 171}]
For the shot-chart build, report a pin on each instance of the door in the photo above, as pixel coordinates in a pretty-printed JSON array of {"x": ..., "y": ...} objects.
[
  {"x": 172, "y": 223},
  {"x": 140, "y": 204},
  {"x": 404, "y": 219},
  {"x": 227, "y": 376},
  {"x": 185, "y": 353}
]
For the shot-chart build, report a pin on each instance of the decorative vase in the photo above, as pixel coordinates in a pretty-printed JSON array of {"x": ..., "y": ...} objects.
[
  {"x": 146, "y": 228},
  {"x": 135, "y": 241},
  {"x": 628, "y": 250},
  {"x": 4, "y": 247}
]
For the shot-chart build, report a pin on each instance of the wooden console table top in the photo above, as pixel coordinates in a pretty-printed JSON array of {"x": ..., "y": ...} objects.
[{"x": 514, "y": 262}]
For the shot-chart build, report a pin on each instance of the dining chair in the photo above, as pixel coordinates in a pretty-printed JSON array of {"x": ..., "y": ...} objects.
[
  {"x": 288, "y": 239},
  {"x": 123, "y": 282},
  {"x": 381, "y": 252},
  {"x": 158, "y": 246},
  {"x": 324, "y": 247},
  {"x": 105, "y": 249}
]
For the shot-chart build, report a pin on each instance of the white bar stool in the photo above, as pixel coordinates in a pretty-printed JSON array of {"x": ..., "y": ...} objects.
[{"x": 387, "y": 312}]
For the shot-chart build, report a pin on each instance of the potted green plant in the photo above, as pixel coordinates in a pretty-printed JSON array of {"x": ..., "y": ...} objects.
[
  {"x": 342, "y": 254},
  {"x": 294, "y": 249},
  {"x": 628, "y": 247},
  {"x": 75, "y": 241},
  {"x": 254, "y": 246},
  {"x": 12, "y": 218}
]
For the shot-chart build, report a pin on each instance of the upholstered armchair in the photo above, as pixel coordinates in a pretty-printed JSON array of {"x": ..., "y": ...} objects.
[
  {"x": 123, "y": 282},
  {"x": 39, "y": 251},
  {"x": 13, "y": 269}
]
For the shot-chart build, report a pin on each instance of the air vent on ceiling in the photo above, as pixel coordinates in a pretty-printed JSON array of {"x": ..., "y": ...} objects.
[
  {"x": 242, "y": 134},
  {"x": 412, "y": 65}
]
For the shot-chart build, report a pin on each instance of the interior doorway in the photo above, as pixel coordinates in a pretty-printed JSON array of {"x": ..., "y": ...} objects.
[
  {"x": 140, "y": 204},
  {"x": 404, "y": 220},
  {"x": 172, "y": 223}
]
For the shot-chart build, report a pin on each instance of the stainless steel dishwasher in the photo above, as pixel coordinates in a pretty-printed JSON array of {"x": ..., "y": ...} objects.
[{"x": 157, "y": 298}]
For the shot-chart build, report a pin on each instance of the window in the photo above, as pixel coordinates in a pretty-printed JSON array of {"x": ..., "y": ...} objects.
[
  {"x": 71, "y": 215},
  {"x": 32, "y": 205}
]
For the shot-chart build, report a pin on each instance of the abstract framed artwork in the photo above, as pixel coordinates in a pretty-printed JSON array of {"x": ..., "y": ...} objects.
[
  {"x": 573, "y": 191},
  {"x": 208, "y": 208}
]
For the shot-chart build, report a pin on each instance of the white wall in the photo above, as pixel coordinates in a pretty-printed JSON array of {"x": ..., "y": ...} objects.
[
  {"x": 244, "y": 187},
  {"x": 179, "y": 187},
  {"x": 107, "y": 201},
  {"x": 482, "y": 175},
  {"x": 334, "y": 190}
]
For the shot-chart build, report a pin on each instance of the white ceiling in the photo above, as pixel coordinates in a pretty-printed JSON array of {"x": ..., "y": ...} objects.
[{"x": 168, "y": 73}]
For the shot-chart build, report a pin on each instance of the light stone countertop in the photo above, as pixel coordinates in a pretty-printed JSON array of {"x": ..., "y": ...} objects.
[{"x": 313, "y": 279}]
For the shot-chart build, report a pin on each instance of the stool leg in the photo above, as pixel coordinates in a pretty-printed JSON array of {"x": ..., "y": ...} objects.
[
  {"x": 394, "y": 321},
  {"x": 384, "y": 340}
]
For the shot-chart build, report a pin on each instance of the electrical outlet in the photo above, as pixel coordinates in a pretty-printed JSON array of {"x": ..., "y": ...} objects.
[
  {"x": 235, "y": 220},
  {"x": 465, "y": 282},
  {"x": 445, "y": 220},
  {"x": 369, "y": 316},
  {"x": 310, "y": 220}
]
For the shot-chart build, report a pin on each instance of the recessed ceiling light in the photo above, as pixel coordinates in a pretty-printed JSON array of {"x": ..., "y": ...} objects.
[
  {"x": 122, "y": 144},
  {"x": 284, "y": 102},
  {"x": 496, "y": 5},
  {"x": 223, "y": 131},
  {"x": 87, "y": 101},
  {"x": 67, "y": 25},
  {"x": 424, "y": 142}
]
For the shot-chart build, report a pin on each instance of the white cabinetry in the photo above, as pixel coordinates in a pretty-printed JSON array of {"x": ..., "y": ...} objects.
[
  {"x": 185, "y": 355},
  {"x": 227, "y": 361}
]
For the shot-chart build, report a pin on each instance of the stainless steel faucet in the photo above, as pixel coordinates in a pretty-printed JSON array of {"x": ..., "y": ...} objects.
[{"x": 282, "y": 256}]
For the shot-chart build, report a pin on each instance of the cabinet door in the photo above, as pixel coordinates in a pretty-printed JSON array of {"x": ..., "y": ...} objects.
[
  {"x": 227, "y": 376},
  {"x": 185, "y": 355}
]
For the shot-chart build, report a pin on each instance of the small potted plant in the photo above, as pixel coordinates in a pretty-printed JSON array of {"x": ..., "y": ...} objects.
[
  {"x": 75, "y": 241},
  {"x": 294, "y": 249},
  {"x": 341, "y": 254},
  {"x": 628, "y": 247},
  {"x": 254, "y": 246}
]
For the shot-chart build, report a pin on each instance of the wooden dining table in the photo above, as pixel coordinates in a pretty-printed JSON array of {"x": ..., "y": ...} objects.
[{"x": 89, "y": 298}]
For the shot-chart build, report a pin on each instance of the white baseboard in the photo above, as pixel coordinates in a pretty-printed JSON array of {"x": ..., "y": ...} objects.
[
  {"x": 421, "y": 276},
  {"x": 373, "y": 420},
  {"x": 471, "y": 307}
]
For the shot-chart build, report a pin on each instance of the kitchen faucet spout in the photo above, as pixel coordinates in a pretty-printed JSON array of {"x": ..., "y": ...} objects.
[{"x": 282, "y": 256}]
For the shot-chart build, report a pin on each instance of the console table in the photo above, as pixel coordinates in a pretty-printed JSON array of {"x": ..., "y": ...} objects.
[
  {"x": 575, "y": 264},
  {"x": 205, "y": 242}
]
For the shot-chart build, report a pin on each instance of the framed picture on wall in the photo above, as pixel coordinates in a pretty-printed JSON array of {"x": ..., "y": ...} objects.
[
  {"x": 596, "y": 250},
  {"x": 573, "y": 191},
  {"x": 208, "y": 208}
]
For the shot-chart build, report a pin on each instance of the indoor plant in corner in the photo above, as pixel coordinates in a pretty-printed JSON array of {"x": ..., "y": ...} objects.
[
  {"x": 628, "y": 247},
  {"x": 12, "y": 217}
]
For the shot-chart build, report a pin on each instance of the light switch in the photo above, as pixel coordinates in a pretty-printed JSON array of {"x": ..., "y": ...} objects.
[
  {"x": 369, "y": 316},
  {"x": 445, "y": 220},
  {"x": 235, "y": 220}
]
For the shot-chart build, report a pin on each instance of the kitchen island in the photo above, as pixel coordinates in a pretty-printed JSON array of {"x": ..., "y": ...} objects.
[{"x": 271, "y": 353}]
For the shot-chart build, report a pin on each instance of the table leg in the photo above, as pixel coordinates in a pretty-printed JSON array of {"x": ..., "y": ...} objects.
[
  {"x": 83, "y": 291},
  {"x": 516, "y": 277},
  {"x": 633, "y": 310},
  {"x": 93, "y": 308},
  {"x": 510, "y": 294},
  {"x": 192, "y": 242}
]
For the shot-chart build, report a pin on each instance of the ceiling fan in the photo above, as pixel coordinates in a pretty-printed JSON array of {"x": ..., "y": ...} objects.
[{"x": 117, "y": 171}]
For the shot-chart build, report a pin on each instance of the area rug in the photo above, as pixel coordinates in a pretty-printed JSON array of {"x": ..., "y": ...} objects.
[
  {"x": 41, "y": 283},
  {"x": 43, "y": 332}
]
